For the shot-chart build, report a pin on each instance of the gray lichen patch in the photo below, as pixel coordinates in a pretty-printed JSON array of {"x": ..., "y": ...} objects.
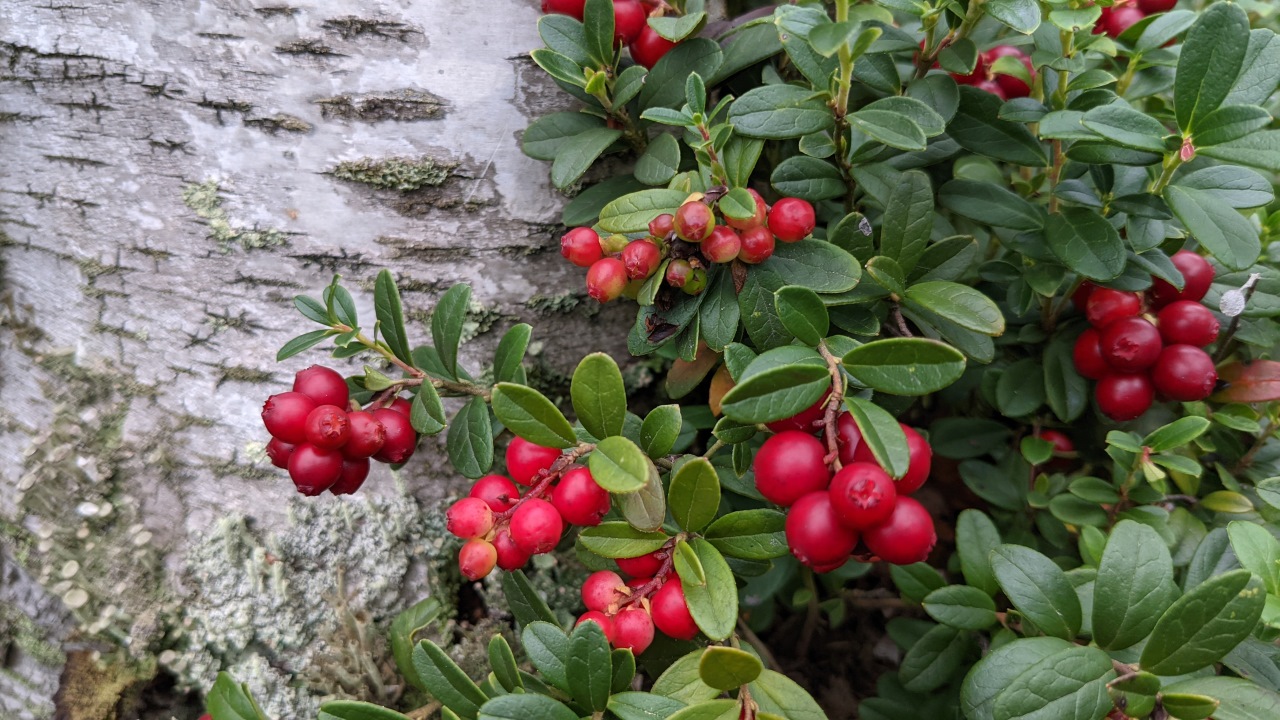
[
  {"x": 403, "y": 105},
  {"x": 351, "y": 27},
  {"x": 280, "y": 122},
  {"x": 395, "y": 173},
  {"x": 204, "y": 199}
]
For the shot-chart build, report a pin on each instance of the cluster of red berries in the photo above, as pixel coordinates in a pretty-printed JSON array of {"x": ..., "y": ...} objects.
[
  {"x": 1133, "y": 358},
  {"x": 324, "y": 441},
  {"x": 692, "y": 240},
  {"x": 505, "y": 528},
  {"x": 1003, "y": 86},
  {"x": 630, "y": 26},
  {"x": 829, "y": 513},
  {"x": 629, "y": 611},
  {"x": 1125, "y": 13}
]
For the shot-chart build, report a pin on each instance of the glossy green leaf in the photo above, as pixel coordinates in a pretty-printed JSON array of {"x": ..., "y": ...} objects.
[
  {"x": 1071, "y": 684},
  {"x": 961, "y": 607},
  {"x": 403, "y": 631},
  {"x": 977, "y": 128},
  {"x": 643, "y": 706},
  {"x": 526, "y": 604},
  {"x": 599, "y": 395},
  {"x": 1038, "y": 588},
  {"x": 508, "y": 359},
  {"x": 990, "y": 203},
  {"x": 1020, "y": 15},
  {"x": 1238, "y": 699},
  {"x": 230, "y": 700},
  {"x": 749, "y": 534},
  {"x": 976, "y": 537},
  {"x": 445, "y": 681},
  {"x": 503, "y": 662},
  {"x": 1205, "y": 624},
  {"x": 803, "y": 314},
  {"x": 778, "y": 112},
  {"x": 808, "y": 178},
  {"x": 660, "y": 161},
  {"x": 632, "y": 213},
  {"x": 548, "y": 649},
  {"x": 529, "y": 414},
  {"x": 1134, "y": 586},
  {"x": 883, "y": 435},
  {"x": 908, "y": 220},
  {"x": 357, "y": 710},
  {"x": 426, "y": 414},
  {"x": 548, "y": 134},
  {"x": 659, "y": 430},
  {"x": 782, "y": 697},
  {"x": 815, "y": 264},
  {"x": 526, "y": 706},
  {"x": 1085, "y": 242},
  {"x": 960, "y": 304},
  {"x": 681, "y": 681},
  {"x": 727, "y": 668},
  {"x": 646, "y": 508},
  {"x": 714, "y": 604},
  {"x": 1258, "y": 551},
  {"x": 1210, "y": 62},
  {"x": 1231, "y": 122},
  {"x": 694, "y": 496},
  {"x": 1223, "y": 231},
  {"x": 1121, "y": 125},
  {"x": 589, "y": 667},
  {"x": 303, "y": 342},
  {"x": 935, "y": 658},
  {"x": 776, "y": 394},
  {"x": 664, "y": 85},
  {"x": 446, "y": 325},
  {"x": 620, "y": 540},
  {"x": 995, "y": 672},
  {"x": 470, "y": 439},
  {"x": 890, "y": 128},
  {"x": 386, "y": 303},
  {"x": 576, "y": 157},
  {"x": 905, "y": 366}
]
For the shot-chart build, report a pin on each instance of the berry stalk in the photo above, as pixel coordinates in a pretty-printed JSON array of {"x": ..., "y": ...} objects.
[{"x": 835, "y": 401}]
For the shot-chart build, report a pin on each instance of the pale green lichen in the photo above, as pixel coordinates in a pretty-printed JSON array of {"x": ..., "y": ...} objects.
[
  {"x": 204, "y": 199},
  {"x": 400, "y": 174}
]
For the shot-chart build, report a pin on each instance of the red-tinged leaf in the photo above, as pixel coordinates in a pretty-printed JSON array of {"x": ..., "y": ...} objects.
[
  {"x": 1258, "y": 381},
  {"x": 684, "y": 376}
]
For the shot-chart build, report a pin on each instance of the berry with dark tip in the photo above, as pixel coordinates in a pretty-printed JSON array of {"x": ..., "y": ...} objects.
[
  {"x": 476, "y": 559},
  {"x": 353, "y": 476},
  {"x": 815, "y": 534},
  {"x": 400, "y": 438},
  {"x": 1130, "y": 344},
  {"x": 314, "y": 470},
  {"x": 366, "y": 437},
  {"x": 278, "y": 451},
  {"x": 862, "y": 495},
  {"x": 327, "y": 427},
  {"x": 641, "y": 258}
]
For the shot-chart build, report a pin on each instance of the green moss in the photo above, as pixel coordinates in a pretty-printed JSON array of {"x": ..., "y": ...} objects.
[
  {"x": 205, "y": 201},
  {"x": 401, "y": 174}
]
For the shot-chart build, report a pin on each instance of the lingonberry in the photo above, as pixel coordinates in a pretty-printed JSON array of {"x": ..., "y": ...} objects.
[
  {"x": 1187, "y": 322},
  {"x": 606, "y": 279},
  {"x": 525, "y": 460},
  {"x": 477, "y": 558},
  {"x": 581, "y": 246},
  {"x": 803, "y": 420},
  {"x": 402, "y": 406},
  {"x": 1130, "y": 344},
  {"x": 723, "y": 245},
  {"x": 791, "y": 219},
  {"x": 323, "y": 385},
  {"x": 400, "y": 438},
  {"x": 285, "y": 416},
  {"x": 327, "y": 427},
  {"x": 603, "y": 591},
  {"x": 678, "y": 273},
  {"x": 862, "y": 495},
  {"x": 1087, "y": 355},
  {"x": 649, "y": 47},
  {"x": 1106, "y": 305},
  {"x": 991, "y": 86},
  {"x": 1118, "y": 18},
  {"x": 1081, "y": 295},
  {"x": 696, "y": 282},
  {"x": 906, "y": 537},
  {"x": 662, "y": 226},
  {"x": 694, "y": 221},
  {"x": 848, "y": 437},
  {"x": 920, "y": 461},
  {"x": 762, "y": 211},
  {"x": 633, "y": 630},
  {"x": 1197, "y": 276},
  {"x": 671, "y": 612},
  {"x": 510, "y": 555},
  {"x": 353, "y": 476},
  {"x": 497, "y": 491},
  {"x": 1151, "y": 7},
  {"x": 642, "y": 566},
  {"x": 604, "y": 621},
  {"x": 536, "y": 526},
  {"x": 579, "y": 499},
  {"x": 366, "y": 437},
  {"x": 757, "y": 245},
  {"x": 789, "y": 466},
  {"x": 469, "y": 518},
  {"x": 278, "y": 451},
  {"x": 572, "y": 8},
  {"x": 629, "y": 18},
  {"x": 1124, "y": 397},
  {"x": 641, "y": 259},
  {"x": 980, "y": 71},
  {"x": 1013, "y": 86},
  {"x": 815, "y": 534},
  {"x": 1062, "y": 444},
  {"x": 1185, "y": 373},
  {"x": 313, "y": 470}
]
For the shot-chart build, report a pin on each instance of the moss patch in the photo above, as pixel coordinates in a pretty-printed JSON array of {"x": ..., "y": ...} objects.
[
  {"x": 204, "y": 199},
  {"x": 400, "y": 174}
]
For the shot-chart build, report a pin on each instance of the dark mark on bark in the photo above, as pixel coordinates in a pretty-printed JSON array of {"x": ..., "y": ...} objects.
[{"x": 402, "y": 105}]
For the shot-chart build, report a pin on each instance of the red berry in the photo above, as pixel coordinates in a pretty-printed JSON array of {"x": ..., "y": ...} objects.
[
  {"x": 755, "y": 221},
  {"x": 1062, "y": 444},
  {"x": 757, "y": 245},
  {"x": 497, "y": 491},
  {"x": 723, "y": 245},
  {"x": 980, "y": 71},
  {"x": 476, "y": 559},
  {"x": 643, "y": 566},
  {"x": 1087, "y": 355},
  {"x": 1124, "y": 397},
  {"x": 671, "y": 611},
  {"x": 536, "y": 526},
  {"x": 991, "y": 86},
  {"x": 815, "y": 534},
  {"x": 353, "y": 476},
  {"x": 525, "y": 460},
  {"x": 579, "y": 499},
  {"x": 572, "y": 8},
  {"x": 278, "y": 451},
  {"x": 1118, "y": 18},
  {"x": 804, "y": 420},
  {"x": 327, "y": 427},
  {"x": 402, "y": 406},
  {"x": 1105, "y": 306},
  {"x": 629, "y": 18},
  {"x": 906, "y": 537},
  {"x": 1151, "y": 7},
  {"x": 848, "y": 437},
  {"x": 313, "y": 470},
  {"x": 604, "y": 621},
  {"x": 1130, "y": 344},
  {"x": 606, "y": 279},
  {"x": 366, "y": 437},
  {"x": 285, "y": 416},
  {"x": 581, "y": 246},
  {"x": 641, "y": 259},
  {"x": 920, "y": 461},
  {"x": 791, "y": 219},
  {"x": 400, "y": 438},
  {"x": 469, "y": 518},
  {"x": 662, "y": 226},
  {"x": 323, "y": 385},
  {"x": 694, "y": 221},
  {"x": 633, "y": 629},
  {"x": 790, "y": 465},
  {"x": 649, "y": 47},
  {"x": 862, "y": 495},
  {"x": 1081, "y": 295},
  {"x": 1197, "y": 276},
  {"x": 603, "y": 591},
  {"x": 679, "y": 272},
  {"x": 1013, "y": 87},
  {"x": 510, "y": 556},
  {"x": 1185, "y": 373},
  {"x": 1187, "y": 322}
]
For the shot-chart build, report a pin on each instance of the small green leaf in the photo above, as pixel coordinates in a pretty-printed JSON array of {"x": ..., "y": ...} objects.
[
  {"x": 526, "y": 604},
  {"x": 303, "y": 342},
  {"x": 676, "y": 29},
  {"x": 1258, "y": 551},
  {"x": 1205, "y": 624},
  {"x": 1185, "y": 706},
  {"x": 386, "y": 303},
  {"x": 815, "y": 264},
  {"x": 727, "y": 668},
  {"x": 646, "y": 508},
  {"x": 803, "y": 314},
  {"x": 548, "y": 649},
  {"x": 1085, "y": 242},
  {"x": 503, "y": 662},
  {"x": 620, "y": 540},
  {"x": 883, "y": 435},
  {"x": 905, "y": 366},
  {"x": 426, "y": 414},
  {"x": 1176, "y": 434},
  {"x": 976, "y": 537},
  {"x": 694, "y": 496},
  {"x": 576, "y": 157},
  {"x": 1038, "y": 589},
  {"x": 1121, "y": 125},
  {"x": 1226, "y": 501},
  {"x": 908, "y": 219},
  {"x": 659, "y": 430},
  {"x": 589, "y": 666},
  {"x": 357, "y": 710},
  {"x": 935, "y": 658},
  {"x": 1239, "y": 699},
  {"x": 1134, "y": 586},
  {"x": 1070, "y": 684},
  {"x": 995, "y": 672},
  {"x": 445, "y": 681},
  {"x": 407, "y": 624},
  {"x": 660, "y": 161},
  {"x": 526, "y": 706},
  {"x": 599, "y": 396},
  {"x": 960, "y": 304},
  {"x": 312, "y": 310},
  {"x": 687, "y": 565},
  {"x": 470, "y": 439},
  {"x": 775, "y": 394},
  {"x": 446, "y": 325},
  {"x": 643, "y": 706},
  {"x": 962, "y": 607},
  {"x": 890, "y": 128},
  {"x": 781, "y": 697},
  {"x": 714, "y": 604},
  {"x": 779, "y": 112},
  {"x": 989, "y": 203},
  {"x": 807, "y": 178},
  {"x": 1021, "y": 15},
  {"x": 619, "y": 465},
  {"x": 529, "y": 414},
  {"x": 681, "y": 681},
  {"x": 749, "y": 534},
  {"x": 508, "y": 359},
  {"x": 230, "y": 700},
  {"x": 1210, "y": 62},
  {"x": 544, "y": 139},
  {"x": 633, "y": 212}
]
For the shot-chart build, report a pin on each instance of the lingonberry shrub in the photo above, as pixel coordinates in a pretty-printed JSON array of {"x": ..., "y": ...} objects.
[{"x": 963, "y": 300}]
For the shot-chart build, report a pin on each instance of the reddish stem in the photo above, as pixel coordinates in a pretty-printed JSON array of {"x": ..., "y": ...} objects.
[
  {"x": 659, "y": 578},
  {"x": 830, "y": 419},
  {"x": 544, "y": 480}
]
